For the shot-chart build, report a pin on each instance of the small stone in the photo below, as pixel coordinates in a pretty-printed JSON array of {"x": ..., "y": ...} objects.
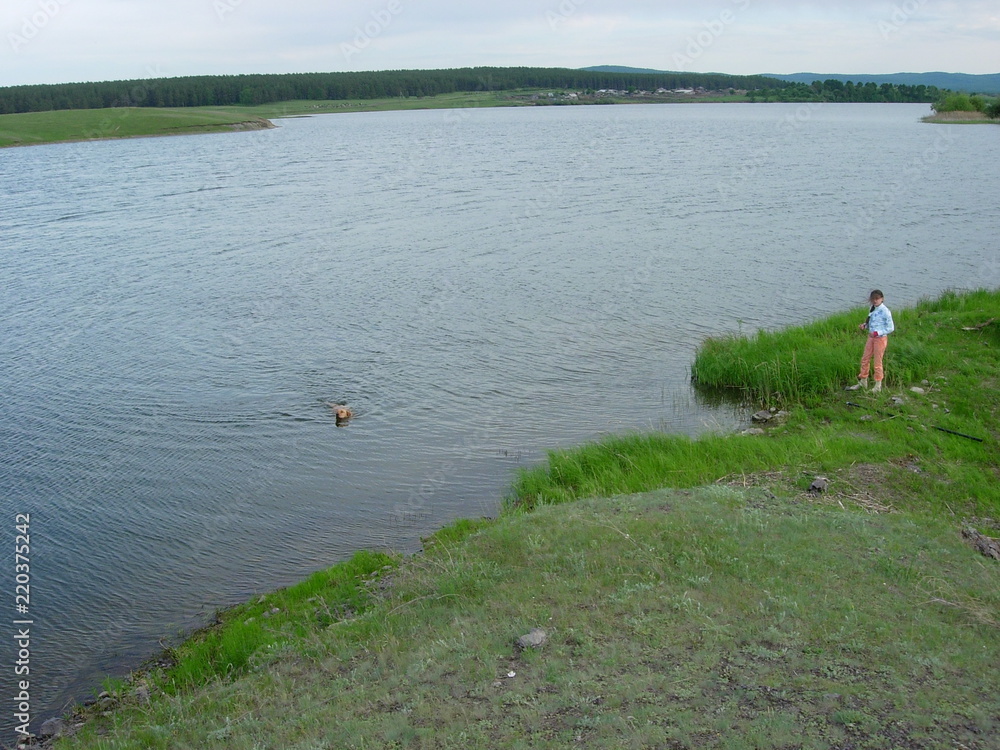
[
  {"x": 986, "y": 546},
  {"x": 535, "y": 638},
  {"x": 898, "y": 400},
  {"x": 819, "y": 484},
  {"x": 867, "y": 418},
  {"x": 753, "y": 431},
  {"x": 54, "y": 727},
  {"x": 918, "y": 390},
  {"x": 762, "y": 416},
  {"x": 142, "y": 694},
  {"x": 925, "y": 382}
]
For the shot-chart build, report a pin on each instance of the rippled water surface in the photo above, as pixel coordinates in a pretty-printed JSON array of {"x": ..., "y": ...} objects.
[{"x": 479, "y": 285}]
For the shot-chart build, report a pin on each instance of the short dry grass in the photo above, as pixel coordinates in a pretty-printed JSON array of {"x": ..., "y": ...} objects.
[{"x": 718, "y": 617}]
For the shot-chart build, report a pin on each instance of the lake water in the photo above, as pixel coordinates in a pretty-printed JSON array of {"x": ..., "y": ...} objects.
[{"x": 479, "y": 285}]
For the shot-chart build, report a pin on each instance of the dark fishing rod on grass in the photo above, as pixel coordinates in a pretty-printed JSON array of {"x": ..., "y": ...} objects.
[{"x": 943, "y": 429}]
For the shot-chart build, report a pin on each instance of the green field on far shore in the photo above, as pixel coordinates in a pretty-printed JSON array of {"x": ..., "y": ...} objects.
[{"x": 34, "y": 128}]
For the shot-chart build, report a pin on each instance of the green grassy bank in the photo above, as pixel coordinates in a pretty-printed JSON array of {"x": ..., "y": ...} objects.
[
  {"x": 695, "y": 595},
  {"x": 35, "y": 128}
]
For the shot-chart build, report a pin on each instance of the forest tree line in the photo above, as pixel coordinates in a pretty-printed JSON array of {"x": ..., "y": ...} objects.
[
  {"x": 219, "y": 90},
  {"x": 198, "y": 91},
  {"x": 833, "y": 90}
]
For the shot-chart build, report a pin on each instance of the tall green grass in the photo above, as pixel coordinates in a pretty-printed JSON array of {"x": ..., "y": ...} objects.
[
  {"x": 640, "y": 462},
  {"x": 804, "y": 363},
  {"x": 951, "y": 339},
  {"x": 226, "y": 648}
]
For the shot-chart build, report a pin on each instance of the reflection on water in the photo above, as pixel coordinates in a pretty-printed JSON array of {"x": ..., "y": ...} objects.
[{"x": 478, "y": 287}]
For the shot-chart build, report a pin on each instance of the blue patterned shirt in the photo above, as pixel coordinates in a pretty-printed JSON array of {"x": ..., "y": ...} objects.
[{"x": 880, "y": 320}]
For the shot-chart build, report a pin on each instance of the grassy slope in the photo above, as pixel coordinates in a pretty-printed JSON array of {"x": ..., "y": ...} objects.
[
  {"x": 442, "y": 101},
  {"x": 89, "y": 124},
  {"x": 745, "y": 612}
]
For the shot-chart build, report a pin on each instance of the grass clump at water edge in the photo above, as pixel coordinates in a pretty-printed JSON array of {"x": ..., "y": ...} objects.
[{"x": 804, "y": 363}]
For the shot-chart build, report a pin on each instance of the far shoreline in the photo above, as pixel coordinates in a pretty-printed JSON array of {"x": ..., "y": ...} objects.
[
  {"x": 959, "y": 118},
  {"x": 77, "y": 126},
  {"x": 120, "y": 123}
]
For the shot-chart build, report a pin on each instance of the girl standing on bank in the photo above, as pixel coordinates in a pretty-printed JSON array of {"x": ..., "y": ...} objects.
[{"x": 879, "y": 326}]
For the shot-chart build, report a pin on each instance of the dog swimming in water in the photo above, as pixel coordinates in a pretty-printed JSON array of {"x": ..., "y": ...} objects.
[{"x": 341, "y": 412}]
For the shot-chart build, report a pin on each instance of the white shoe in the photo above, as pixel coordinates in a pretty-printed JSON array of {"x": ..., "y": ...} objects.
[
  {"x": 862, "y": 384},
  {"x": 878, "y": 386}
]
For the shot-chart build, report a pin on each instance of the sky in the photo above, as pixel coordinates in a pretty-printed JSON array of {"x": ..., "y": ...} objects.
[{"x": 58, "y": 41}]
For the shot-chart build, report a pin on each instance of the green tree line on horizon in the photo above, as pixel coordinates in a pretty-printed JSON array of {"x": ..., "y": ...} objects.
[
  {"x": 251, "y": 89},
  {"x": 962, "y": 102},
  {"x": 218, "y": 90},
  {"x": 833, "y": 90}
]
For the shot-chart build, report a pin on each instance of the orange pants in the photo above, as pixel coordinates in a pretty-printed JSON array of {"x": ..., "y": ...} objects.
[{"x": 874, "y": 350}]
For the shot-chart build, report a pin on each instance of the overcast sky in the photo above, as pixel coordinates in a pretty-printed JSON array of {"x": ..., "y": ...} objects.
[{"x": 54, "y": 41}]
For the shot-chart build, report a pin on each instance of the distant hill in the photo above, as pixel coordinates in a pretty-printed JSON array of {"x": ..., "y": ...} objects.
[
  {"x": 623, "y": 69},
  {"x": 981, "y": 84}
]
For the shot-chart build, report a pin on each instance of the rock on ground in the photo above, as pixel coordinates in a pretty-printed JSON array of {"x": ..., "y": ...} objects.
[
  {"x": 533, "y": 639},
  {"x": 985, "y": 545}
]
